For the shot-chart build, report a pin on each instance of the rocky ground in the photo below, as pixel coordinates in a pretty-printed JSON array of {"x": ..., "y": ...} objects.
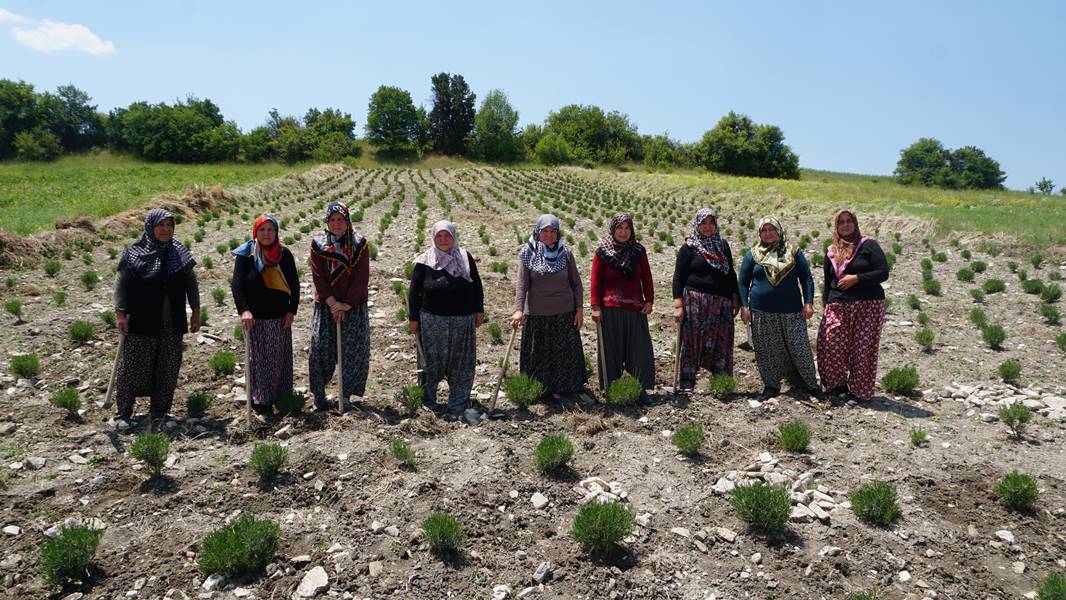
[{"x": 350, "y": 515}]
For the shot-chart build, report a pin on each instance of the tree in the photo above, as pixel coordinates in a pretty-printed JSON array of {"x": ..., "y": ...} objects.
[
  {"x": 495, "y": 130},
  {"x": 392, "y": 122},
  {"x": 19, "y": 111},
  {"x": 37, "y": 144},
  {"x": 452, "y": 117},
  {"x": 553, "y": 149},
  {"x": 661, "y": 152},
  {"x": 1045, "y": 186},
  {"x": 70, "y": 116},
  {"x": 187, "y": 132},
  {"x": 593, "y": 135},
  {"x": 257, "y": 145},
  {"x": 927, "y": 162},
  {"x": 973, "y": 170},
  {"x": 294, "y": 144},
  {"x": 739, "y": 146}
]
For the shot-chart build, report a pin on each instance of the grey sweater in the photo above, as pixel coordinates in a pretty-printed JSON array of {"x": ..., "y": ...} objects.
[{"x": 549, "y": 294}]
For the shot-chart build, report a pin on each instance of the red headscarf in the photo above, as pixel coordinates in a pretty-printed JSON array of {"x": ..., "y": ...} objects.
[{"x": 271, "y": 253}]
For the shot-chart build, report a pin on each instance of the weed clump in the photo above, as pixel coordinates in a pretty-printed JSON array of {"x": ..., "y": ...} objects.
[
  {"x": 924, "y": 337},
  {"x": 244, "y": 547},
  {"x": 197, "y": 404},
  {"x": 223, "y": 363},
  {"x": 81, "y": 331},
  {"x": 66, "y": 398},
  {"x": 794, "y": 436},
  {"x": 993, "y": 286},
  {"x": 267, "y": 461},
  {"x": 402, "y": 452},
  {"x": 443, "y": 532},
  {"x": 964, "y": 274},
  {"x": 689, "y": 438},
  {"x": 913, "y": 302},
  {"x": 623, "y": 391},
  {"x": 496, "y": 333},
  {"x": 522, "y": 390},
  {"x": 919, "y": 437},
  {"x": 762, "y": 506},
  {"x": 553, "y": 453},
  {"x": 1051, "y": 293},
  {"x": 931, "y": 287},
  {"x": 1053, "y": 588},
  {"x": 598, "y": 526},
  {"x": 1050, "y": 313},
  {"x": 26, "y": 366},
  {"x": 994, "y": 336},
  {"x": 875, "y": 503},
  {"x": 1017, "y": 491},
  {"x": 1060, "y": 342},
  {"x": 1016, "y": 417},
  {"x": 290, "y": 403},
  {"x": 410, "y": 397},
  {"x": 1009, "y": 371},
  {"x": 720, "y": 385},
  {"x": 89, "y": 279},
  {"x": 151, "y": 449},
  {"x": 901, "y": 380},
  {"x": 66, "y": 558}
]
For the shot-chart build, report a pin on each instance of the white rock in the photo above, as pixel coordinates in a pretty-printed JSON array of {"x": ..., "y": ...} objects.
[
  {"x": 756, "y": 558},
  {"x": 543, "y": 572},
  {"x": 284, "y": 433},
  {"x": 376, "y": 526},
  {"x": 393, "y": 531},
  {"x": 726, "y": 534},
  {"x": 376, "y": 568},
  {"x": 242, "y": 592},
  {"x": 828, "y": 551},
  {"x": 12, "y": 530},
  {"x": 904, "y": 577},
  {"x": 1005, "y": 535},
  {"x": 314, "y": 582},
  {"x": 765, "y": 457},
  {"x": 302, "y": 559},
  {"x": 1018, "y": 567},
  {"x": 644, "y": 520},
  {"x": 723, "y": 486},
  {"x": 817, "y": 511},
  {"x": 500, "y": 592},
  {"x": 681, "y": 531},
  {"x": 211, "y": 582},
  {"x": 539, "y": 500},
  {"x": 801, "y": 514}
]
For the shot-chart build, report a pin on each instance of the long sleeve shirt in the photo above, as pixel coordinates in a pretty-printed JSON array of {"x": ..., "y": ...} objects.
[
  {"x": 611, "y": 289},
  {"x": 437, "y": 292},
  {"x": 550, "y": 293},
  {"x": 871, "y": 267},
  {"x": 351, "y": 288},
  {"x": 122, "y": 286},
  {"x": 251, "y": 293},
  {"x": 757, "y": 293},
  {"x": 692, "y": 271}
]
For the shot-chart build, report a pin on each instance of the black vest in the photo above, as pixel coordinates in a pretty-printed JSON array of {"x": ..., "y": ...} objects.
[{"x": 145, "y": 304}]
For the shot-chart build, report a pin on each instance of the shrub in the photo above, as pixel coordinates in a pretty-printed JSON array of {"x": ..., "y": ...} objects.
[
  {"x": 923, "y": 319},
  {"x": 244, "y": 547},
  {"x": 26, "y": 366},
  {"x": 89, "y": 279},
  {"x": 927, "y": 275},
  {"x": 598, "y": 526},
  {"x": 402, "y": 452},
  {"x": 1053, "y": 588},
  {"x": 1060, "y": 342},
  {"x": 522, "y": 390},
  {"x": 623, "y": 391},
  {"x": 197, "y": 404},
  {"x": 994, "y": 336},
  {"x": 238, "y": 332},
  {"x": 875, "y": 503},
  {"x": 993, "y": 286},
  {"x": 966, "y": 254},
  {"x": 964, "y": 274},
  {"x": 410, "y": 396},
  {"x": 931, "y": 287},
  {"x": 924, "y": 337},
  {"x": 901, "y": 380},
  {"x": 223, "y": 363},
  {"x": 1017, "y": 491},
  {"x": 204, "y": 316},
  {"x": 1050, "y": 313},
  {"x": 940, "y": 257},
  {"x": 1013, "y": 266},
  {"x": 977, "y": 295},
  {"x": 443, "y": 532},
  {"x": 496, "y": 332},
  {"x": 1036, "y": 260},
  {"x": 1016, "y": 417},
  {"x": 81, "y": 331},
  {"x": 52, "y": 267},
  {"x": 151, "y": 449},
  {"x": 553, "y": 453},
  {"x": 66, "y": 398},
  {"x": 209, "y": 263},
  {"x": 918, "y": 437},
  {"x": 763, "y": 507},
  {"x": 267, "y": 461},
  {"x": 720, "y": 385},
  {"x": 1054, "y": 276},
  {"x": 1051, "y": 293},
  {"x": 979, "y": 266},
  {"x": 689, "y": 438},
  {"x": 221, "y": 249},
  {"x": 1033, "y": 286},
  {"x": 60, "y": 298},
  {"x": 219, "y": 295},
  {"x": 290, "y": 403},
  {"x": 978, "y": 317},
  {"x": 1009, "y": 371},
  {"x": 913, "y": 302},
  {"x": 927, "y": 265},
  {"x": 66, "y": 558},
  {"x": 794, "y": 436},
  {"x": 108, "y": 317},
  {"x": 15, "y": 308},
  {"x": 867, "y": 595},
  {"x": 1022, "y": 274}
]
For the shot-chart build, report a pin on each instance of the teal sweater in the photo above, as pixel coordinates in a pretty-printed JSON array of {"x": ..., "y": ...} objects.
[{"x": 757, "y": 293}]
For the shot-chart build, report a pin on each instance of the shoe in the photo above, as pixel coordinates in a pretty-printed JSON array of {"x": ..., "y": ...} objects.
[
  {"x": 817, "y": 394},
  {"x": 646, "y": 400},
  {"x": 265, "y": 410},
  {"x": 323, "y": 406},
  {"x": 768, "y": 393},
  {"x": 840, "y": 390}
]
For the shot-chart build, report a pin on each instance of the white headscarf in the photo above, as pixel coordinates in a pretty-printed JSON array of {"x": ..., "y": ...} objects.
[{"x": 456, "y": 262}]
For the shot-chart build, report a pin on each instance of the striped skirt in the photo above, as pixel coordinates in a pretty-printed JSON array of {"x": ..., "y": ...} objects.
[
  {"x": 848, "y": 342},
  {"x": 270, "y": 347},
  {"x": 551, "y": 353}
]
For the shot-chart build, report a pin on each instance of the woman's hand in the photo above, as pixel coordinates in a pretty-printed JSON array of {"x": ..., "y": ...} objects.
[
  {"x": 847, "y": 281},
  {"x": 412, "y": 326},
  {"x": 194, "y": 325},
  {"x": 247, "y": 320},
  {"x": 736, "y": 305},
  {"x": 517, "y": 318},
  {"x": 479, "y": 319},
  {"x": 808, "y": 312},
  {"x": 745, "y": 315},
  {"x": 122, "y": 322},
  {"x": 646, "y": 309},
  {"x": 289, "y": 318},
  {"x": 679, "y": 312},
  {"x": 596, "y": 314},
  {"x": 579, "y": 317}
]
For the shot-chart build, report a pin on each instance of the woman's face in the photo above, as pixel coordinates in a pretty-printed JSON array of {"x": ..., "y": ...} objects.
[
  {"x": 164, "y": 230},
  {"x": 707, "y": 227},
  {"x": 845, "y": 224},
  {"x": 623, "y": 232},
  {"x": 266, "y": 235},
  {"x": 548, "y": 236},
  {"x": 444, "y": 240},
  {"x": 768, "y": 234},
  {"x": 336, "y": 223}
]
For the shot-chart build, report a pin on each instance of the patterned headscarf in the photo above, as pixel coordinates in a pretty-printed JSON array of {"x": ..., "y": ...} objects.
[
  {"x": 266, "y": 258},
  {"x": 541, "y": 258},
  {"x": 843, "y": 250},
  {"x": 342, "y": 252},
  {"x": 713, "y": 249},
  {"x": 151, "y": 259},
  {"x": 777, "y": 259},
  {"x": 455, "y": 262},
  {"x": 622, "y": 256}
]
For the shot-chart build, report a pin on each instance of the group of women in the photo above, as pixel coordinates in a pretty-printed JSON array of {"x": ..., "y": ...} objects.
[{"x": 773, "y": 292}]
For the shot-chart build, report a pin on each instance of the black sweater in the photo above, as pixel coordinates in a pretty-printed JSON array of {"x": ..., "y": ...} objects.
[
  {"x": 869, "y": 264},
  {"x": 442, "y": 294},
  {"x": 692, "y": 271},
  {"x": 250, "y": 293}
]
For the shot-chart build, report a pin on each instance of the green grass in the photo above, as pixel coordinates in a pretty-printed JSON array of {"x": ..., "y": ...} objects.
[
  {"x": 34, "y": 195},
  {"x": 553, "y": 453}
]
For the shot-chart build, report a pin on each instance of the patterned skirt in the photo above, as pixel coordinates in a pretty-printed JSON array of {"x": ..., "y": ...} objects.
[
  {"x": 551, "y": 353},
  {"x": 449, "y": 352},
  {"x": 848, "y": 342},
  {"x": 782, "y": 346},
  {"x": 706, "y": 336},
  {"x": 626, "y": 346},
  {"x": 147, "y": 366},
  {"x": 270, "y": 346},
  {"x": 355, "y": 344}
]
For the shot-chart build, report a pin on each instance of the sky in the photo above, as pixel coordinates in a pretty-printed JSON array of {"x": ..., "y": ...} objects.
[{"x": 849, "y": 83}]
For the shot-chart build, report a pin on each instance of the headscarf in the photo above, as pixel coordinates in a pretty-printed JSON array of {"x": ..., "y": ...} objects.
[
  {"x": 341, "y": 252},
  {"x": 456, "y": 262},
  {"x": 151, "y": 259},
  {"x": 842, "y": 251},
  {"x": 622, "y": 256},
  {"x": 713, "y": 249},
  {"x": 541, "y": 258},
  {"x": 777, "y": 259},
  {"x": 266, "y": 258}
]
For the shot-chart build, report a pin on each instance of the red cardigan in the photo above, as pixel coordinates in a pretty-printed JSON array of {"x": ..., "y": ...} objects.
[
  {"x": 352, "y": 288},
  {"x": 609, "y": 288}
]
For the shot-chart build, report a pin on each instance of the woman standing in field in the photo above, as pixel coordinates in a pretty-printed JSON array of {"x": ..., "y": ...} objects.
[
  {"x": 548, "y": 299},
  {"x": 850, "y": 333},
  {"x": 622, "y": 292},
  {"x": 446, "y": 304},
  {"x": 155, "y": 279},
  {"x": 340, "y": 270},
  {"x": 777, "y": 296},
  {"x": 705, "y": 301},
  {"x": 266, "y": 290}
]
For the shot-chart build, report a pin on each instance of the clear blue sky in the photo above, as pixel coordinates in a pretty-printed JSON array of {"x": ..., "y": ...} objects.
[{"x": 849, "y": 84}]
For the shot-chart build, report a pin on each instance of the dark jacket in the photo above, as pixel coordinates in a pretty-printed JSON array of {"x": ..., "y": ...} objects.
[{"x": 250, "y": 293}]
